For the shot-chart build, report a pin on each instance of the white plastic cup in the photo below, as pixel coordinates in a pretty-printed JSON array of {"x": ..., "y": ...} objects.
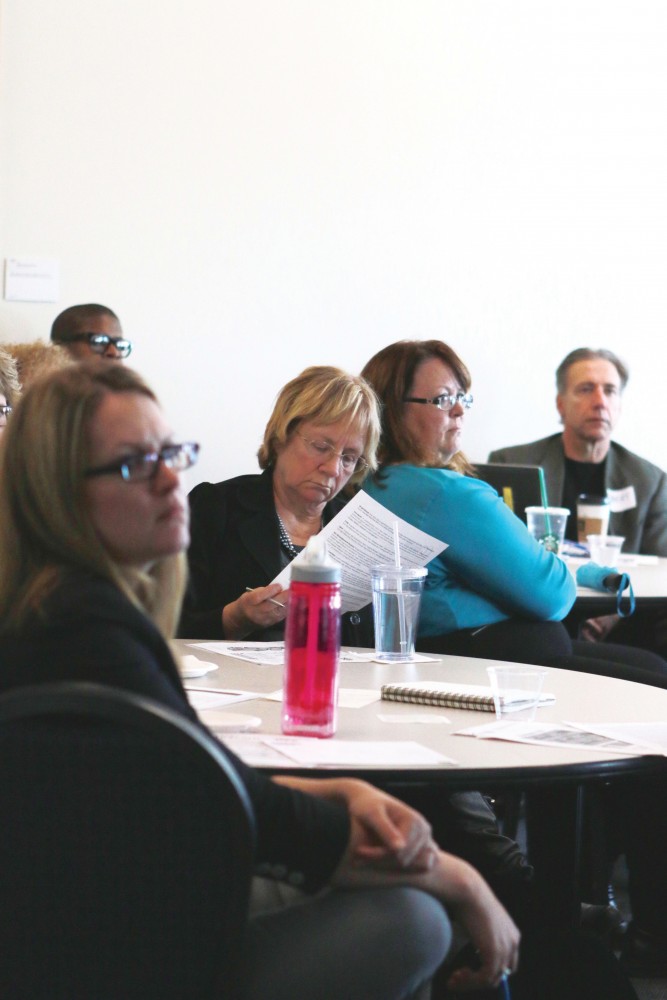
[
  {"x": 592, "y": 516},
  {"x": 547, "y": 525},
  {"x": 516, "y": 691},
  {"x": 397, "y": 592},
  {"x": 605, "y": 549}
]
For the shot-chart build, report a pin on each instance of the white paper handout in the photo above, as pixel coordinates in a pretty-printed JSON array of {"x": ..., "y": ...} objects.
[
  {"x": 553, "y": 734},
  {"x": 338, "y": 753},
  {"x": 202, "y": 700},
  {"x": 652, "y": 735},
  {"x": 347, "y": 697},
  {"x": 297, "y": 751},
  {"x": 252, "y": 749},
  {"x": 361, "y": 536},
  {"x": 273, "y": 653},
  {"x": 254, "y": 652}
]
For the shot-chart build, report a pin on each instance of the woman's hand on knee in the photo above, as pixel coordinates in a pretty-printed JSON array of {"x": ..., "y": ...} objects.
[
  {"x": 394, "y": 834},
  {"x": 386, "y": 834},
  {"x": 487, "y": 922}
]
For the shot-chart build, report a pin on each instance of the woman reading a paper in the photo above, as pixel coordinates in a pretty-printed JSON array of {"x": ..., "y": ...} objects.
[{"x": 322, "y": 435}]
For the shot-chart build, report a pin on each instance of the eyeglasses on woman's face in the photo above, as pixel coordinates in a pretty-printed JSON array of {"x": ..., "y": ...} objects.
[
  {"x": 445, "y": 401},
  {"x": 324, "y": 451},
  {"x": 144, "y": 466},
  {"x": 5, "y": 410}
]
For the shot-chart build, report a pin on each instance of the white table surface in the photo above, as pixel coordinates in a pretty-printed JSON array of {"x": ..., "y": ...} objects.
[{"x": 579, "y": 698}]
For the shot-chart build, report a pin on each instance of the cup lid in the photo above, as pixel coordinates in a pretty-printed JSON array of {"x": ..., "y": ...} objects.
[
  {"x": 404, "y": 572},
  {"x": 548, "y": 510}
]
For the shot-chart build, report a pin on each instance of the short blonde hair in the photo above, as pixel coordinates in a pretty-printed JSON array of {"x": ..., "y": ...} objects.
[
  {"x": 10, "y": 386},
  {"x": 45, "y": 526},
  {"x": 324, "y": 395},
  {"x": 37, "y": 358}
]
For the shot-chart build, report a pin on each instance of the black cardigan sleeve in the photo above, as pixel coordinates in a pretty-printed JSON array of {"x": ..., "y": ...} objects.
[{"x": 234, "y": 544}]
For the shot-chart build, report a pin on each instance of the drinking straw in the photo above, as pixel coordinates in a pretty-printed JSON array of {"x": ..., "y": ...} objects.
[
  {"x": 397, "y": 547},
  {"x": 545, "y": 502},
  {"x": 399, "y": 590}
]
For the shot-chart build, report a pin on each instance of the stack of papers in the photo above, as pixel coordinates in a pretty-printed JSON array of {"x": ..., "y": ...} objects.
[
  {"x": 626, "y": 738},
  {"x": 300, "y": 751}
]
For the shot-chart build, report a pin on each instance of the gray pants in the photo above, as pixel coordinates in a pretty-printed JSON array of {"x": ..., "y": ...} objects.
[{"x": 361, "y": 944}]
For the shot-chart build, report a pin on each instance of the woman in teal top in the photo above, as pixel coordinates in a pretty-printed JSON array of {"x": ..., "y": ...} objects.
[
  {"x": 492, "y": 569},
  {"x": 493, "y": 591}
]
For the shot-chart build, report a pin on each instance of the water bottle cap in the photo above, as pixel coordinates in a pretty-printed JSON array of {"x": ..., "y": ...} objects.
[{"x": 313, "y": 564}]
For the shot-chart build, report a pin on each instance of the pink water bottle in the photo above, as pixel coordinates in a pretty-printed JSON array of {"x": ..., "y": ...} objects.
[{"x": 312, "y": 645}]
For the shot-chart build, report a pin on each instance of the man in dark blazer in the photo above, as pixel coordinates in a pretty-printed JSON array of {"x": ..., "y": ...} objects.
[
  {"x": 590, "y": 384},
  {"x": 584, "y": 459}
]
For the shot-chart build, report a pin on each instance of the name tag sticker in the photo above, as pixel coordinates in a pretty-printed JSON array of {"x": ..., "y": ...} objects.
[{"x": 620, "y": 500}]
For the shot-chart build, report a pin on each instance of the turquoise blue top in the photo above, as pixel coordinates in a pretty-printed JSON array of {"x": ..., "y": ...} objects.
[{"x": 492, "y": 568}]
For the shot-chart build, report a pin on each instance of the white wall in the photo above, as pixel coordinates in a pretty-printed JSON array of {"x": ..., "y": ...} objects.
[{"x": 258, "y": 185}]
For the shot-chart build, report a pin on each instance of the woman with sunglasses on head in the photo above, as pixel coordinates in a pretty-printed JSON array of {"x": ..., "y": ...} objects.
[
  {"x": 321, "y": 435},
  {"x": 93, "y": 525}
]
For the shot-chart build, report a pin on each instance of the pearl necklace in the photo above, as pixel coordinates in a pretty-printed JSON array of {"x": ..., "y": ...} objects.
[{"x": 285, "y": 539}]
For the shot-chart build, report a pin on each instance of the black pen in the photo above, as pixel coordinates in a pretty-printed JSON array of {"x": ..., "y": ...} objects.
[{"x": 277, "y": 603}]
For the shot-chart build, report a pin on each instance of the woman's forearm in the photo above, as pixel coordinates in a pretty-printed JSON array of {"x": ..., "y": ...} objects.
[{"x": 467, "y": 897}]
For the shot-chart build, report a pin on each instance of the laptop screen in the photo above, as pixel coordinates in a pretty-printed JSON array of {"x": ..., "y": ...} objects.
[{"x": 520, "y": 486}]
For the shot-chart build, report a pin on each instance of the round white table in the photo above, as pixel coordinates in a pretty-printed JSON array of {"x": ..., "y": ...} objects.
[{"x": 553, "y": 779}]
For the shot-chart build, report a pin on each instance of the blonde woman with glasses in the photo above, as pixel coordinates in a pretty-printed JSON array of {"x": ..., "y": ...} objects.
[{"x": 321, "y": 436}]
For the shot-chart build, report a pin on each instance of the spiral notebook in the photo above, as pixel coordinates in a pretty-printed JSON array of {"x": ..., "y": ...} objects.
[{"x": 477, "y": 697}]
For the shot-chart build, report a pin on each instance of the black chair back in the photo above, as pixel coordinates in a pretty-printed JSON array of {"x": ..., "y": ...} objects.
[{"x": 126, "y": 849}]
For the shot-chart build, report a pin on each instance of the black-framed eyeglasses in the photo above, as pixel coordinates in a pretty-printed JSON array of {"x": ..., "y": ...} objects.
[
  {"x": 324, "y": 451},
  {"x": 99, "y": 343},
  {"x": 445, "y": 401},
  {"x": 144, "y": 466},
  {"x": 5, "y": 410}
]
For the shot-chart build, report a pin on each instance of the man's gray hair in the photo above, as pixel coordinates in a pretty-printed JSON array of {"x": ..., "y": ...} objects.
[{"x": 588, "y": 354}]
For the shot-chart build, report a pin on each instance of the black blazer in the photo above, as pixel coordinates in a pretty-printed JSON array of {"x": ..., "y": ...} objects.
[
  {"x": 234, "y": 544},
  {"x": 89, "y": 631}
]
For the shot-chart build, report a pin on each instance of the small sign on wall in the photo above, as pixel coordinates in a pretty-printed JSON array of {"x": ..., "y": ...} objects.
[{"x": 32, "y": 279}]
